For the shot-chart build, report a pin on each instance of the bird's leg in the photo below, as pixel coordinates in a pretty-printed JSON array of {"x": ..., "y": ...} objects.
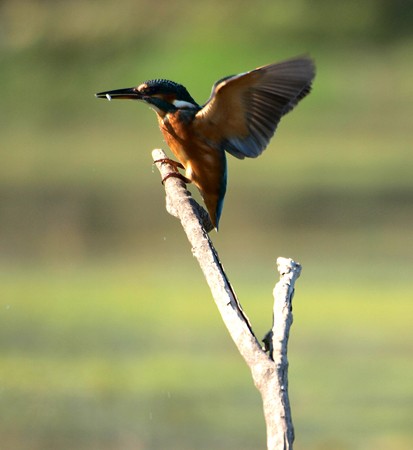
[
  {"x": 176, "y": 175},
  {"x": 176, "y": 164}
]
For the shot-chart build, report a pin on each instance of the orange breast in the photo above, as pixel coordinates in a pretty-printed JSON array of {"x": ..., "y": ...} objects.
[{"x": 201, "y": 155}]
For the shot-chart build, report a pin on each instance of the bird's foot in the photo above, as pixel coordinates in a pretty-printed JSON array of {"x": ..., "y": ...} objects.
[
  {"x": 177, "y": 165},
  {"x": 170, "y": 161},
  {"x": 176, "y": 175}
]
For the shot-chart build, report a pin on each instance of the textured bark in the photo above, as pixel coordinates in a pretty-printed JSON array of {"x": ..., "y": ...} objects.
[{"x": 268, "y": 364}]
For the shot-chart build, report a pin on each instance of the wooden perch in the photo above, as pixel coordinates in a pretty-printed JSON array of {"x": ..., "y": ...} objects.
[{"x": 268, "y": 365}]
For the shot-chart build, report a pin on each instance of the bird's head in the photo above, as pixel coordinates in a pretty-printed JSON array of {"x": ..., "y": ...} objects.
[{"x": 163, "y": 96}]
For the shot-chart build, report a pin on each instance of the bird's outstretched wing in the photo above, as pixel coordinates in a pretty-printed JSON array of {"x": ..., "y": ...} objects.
[{"x": 244, "y": 110}]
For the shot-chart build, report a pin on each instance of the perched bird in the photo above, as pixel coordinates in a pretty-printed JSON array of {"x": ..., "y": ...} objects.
[{"x": 240, "y": 117}]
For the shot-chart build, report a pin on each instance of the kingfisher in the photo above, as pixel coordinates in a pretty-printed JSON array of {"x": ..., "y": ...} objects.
[{"x": 240, "y": 118}]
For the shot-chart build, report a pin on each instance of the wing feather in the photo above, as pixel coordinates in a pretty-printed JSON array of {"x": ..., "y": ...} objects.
[{"x": 244, "y": 110}]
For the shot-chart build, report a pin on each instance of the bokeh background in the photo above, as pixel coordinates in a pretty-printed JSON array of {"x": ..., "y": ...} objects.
[{"x": 109, "y": 338}]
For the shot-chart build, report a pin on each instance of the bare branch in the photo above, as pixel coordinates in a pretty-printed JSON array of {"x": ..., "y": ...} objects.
[
  {"x": 269, "y": 370},
  {"x": 280, "y": 432}
]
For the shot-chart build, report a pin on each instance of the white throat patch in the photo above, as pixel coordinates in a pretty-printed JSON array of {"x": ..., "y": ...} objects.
[{"x": 183, "y": 104}]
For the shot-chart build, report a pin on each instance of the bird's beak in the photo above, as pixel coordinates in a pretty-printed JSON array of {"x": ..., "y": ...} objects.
[{"x": 126, "y": 93}]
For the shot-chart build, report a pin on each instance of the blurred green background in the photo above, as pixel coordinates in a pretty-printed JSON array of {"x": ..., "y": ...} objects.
[{"x": 109, "y": 338}]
